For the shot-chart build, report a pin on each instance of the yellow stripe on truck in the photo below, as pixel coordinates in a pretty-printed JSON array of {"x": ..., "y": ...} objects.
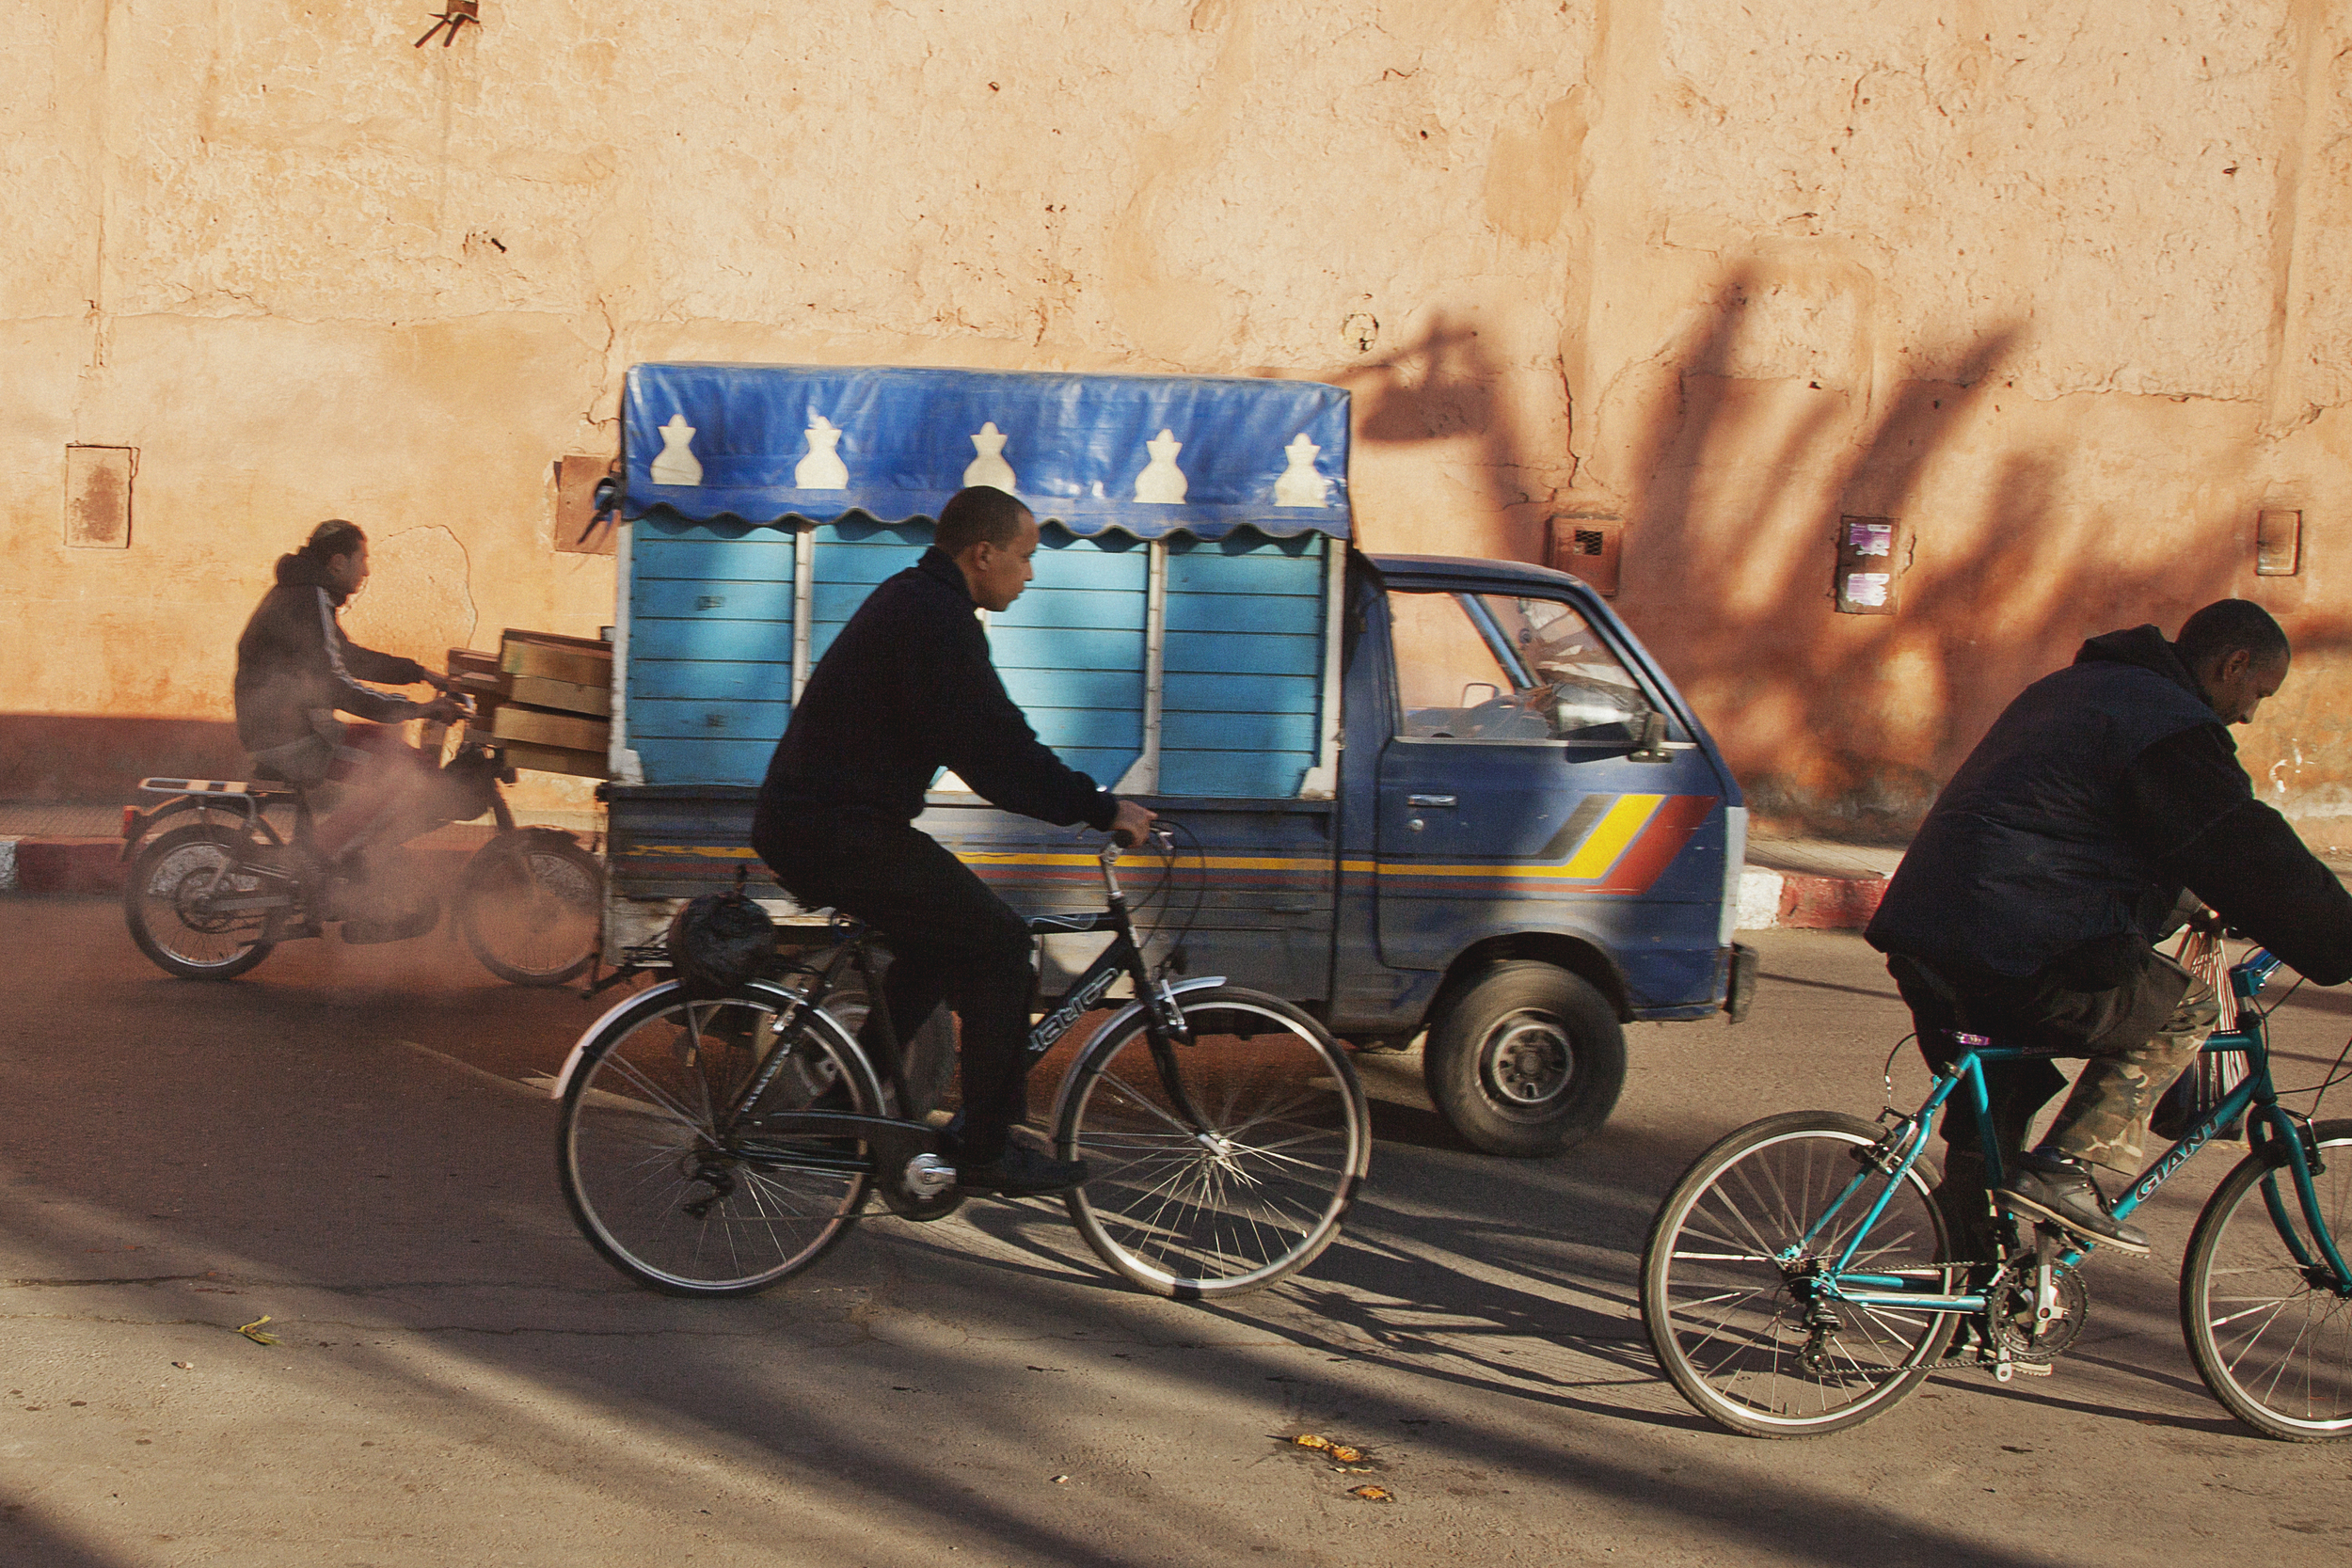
[{"x": 1612, "y": 834}]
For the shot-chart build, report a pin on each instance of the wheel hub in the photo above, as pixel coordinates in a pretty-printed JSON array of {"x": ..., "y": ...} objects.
[{"x": 1529, "y": 1060}]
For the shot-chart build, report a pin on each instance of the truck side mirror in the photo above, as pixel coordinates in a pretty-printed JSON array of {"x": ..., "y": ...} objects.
[{"x": 1653, "y": 745}]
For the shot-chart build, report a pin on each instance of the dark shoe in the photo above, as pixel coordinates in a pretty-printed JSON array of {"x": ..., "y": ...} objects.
[
  {"x": 1022, "y": 1172},
  {"x": 2052, "y": 1187}
]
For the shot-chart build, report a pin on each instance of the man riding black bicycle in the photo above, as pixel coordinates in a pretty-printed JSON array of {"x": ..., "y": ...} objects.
[
  {"x": 909, "y": 689},
  {"x": 2027, "y": 906}
]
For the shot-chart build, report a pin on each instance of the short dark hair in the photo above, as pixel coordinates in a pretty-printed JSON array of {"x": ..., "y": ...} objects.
[
  {"x": 332, "y": 538},
  {"x": 978, "y": 514},
  {"x": 2226, "y": 625}
]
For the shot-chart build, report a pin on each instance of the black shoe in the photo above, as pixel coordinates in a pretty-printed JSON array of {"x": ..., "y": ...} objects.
[
  {"x": 1022, "y": 1172},
  {"x": 2052, "y": 1187}
]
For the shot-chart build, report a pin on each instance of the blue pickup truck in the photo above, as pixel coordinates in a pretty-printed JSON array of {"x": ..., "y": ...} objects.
[{"x": 1422, "y": 797}]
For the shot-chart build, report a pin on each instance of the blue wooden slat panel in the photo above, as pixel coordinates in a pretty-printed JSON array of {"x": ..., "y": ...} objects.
[
  {"x": 1049, "y": 648},
  {"x": 1285, "y": 614},
  {"x": 1244, "y": 662},
  {"x": 730, "y": 641},
  {"x": 709, "y": 649},
  {"x": 1263, "y": 775},
  {"x": 1100, "y": 608},
  {"x": 1211, "y": 652},
  {"x": 1247, "y": 563},
  {"x": 1072, "y": 646},
  {"x": 651, "y": 679},
  {"x": 1087, "y": 729},
  {"x": 764, "y": 556},
  {"x": 1107, "y": 688},
  {"x": 728, "y": 762},
  {"x": 1229, "y": 693},
  {"x": 708, "y": 598},
  {"x": 707, "y": 720},
  {"x": 1246, "y": 731}
]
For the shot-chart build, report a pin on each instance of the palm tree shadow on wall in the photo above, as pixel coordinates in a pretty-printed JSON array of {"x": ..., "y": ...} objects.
[{"x": 1734, "y": 488}]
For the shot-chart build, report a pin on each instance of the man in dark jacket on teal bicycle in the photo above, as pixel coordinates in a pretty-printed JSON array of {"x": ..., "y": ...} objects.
[{"x": 2027, "y": 906}]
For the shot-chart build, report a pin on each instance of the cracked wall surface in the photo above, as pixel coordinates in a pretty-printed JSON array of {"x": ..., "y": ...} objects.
[{"x": 2059, "y": 285}]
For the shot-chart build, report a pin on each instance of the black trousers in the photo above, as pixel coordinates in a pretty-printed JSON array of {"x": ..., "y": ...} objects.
[{"x": 951, "y": 939}]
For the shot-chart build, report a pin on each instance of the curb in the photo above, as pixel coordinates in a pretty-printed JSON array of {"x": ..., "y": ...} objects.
[
  {"x": 61, "y": 865},
  {"x": 1805, "y": 902}
]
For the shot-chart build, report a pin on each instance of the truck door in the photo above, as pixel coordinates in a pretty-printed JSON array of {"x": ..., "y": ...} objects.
[{"x": 1516, "y": 793}]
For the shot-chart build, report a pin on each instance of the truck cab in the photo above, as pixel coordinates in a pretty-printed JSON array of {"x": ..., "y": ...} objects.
[{"x": 1424, "y": 798}]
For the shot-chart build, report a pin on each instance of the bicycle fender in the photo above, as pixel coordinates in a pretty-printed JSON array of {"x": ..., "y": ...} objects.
[
  {"x": 580, "y": 1046},
  {"x": 144, "y": 828},
  {"x": 1117, "y": 1021},
  {"x": 501, "y": 845}
]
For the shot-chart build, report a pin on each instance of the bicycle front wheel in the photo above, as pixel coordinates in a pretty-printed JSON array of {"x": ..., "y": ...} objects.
[
  {"x": 1246, "y": 1194},
  {"x": 1730, "y": 1277},
  {"x": 2269, "y": 1334},
  {"x": 677, "y": 1190},
  {"x": 531, "y": 906}
]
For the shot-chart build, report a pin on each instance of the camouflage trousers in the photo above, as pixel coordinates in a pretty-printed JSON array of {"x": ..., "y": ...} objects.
[
  {"x": 2104, "y": 1120},
  {"x": 2135, "y": 1049}
]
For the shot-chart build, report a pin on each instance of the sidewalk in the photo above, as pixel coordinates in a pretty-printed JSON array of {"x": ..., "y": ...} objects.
[{"x": 1789, "y": 882}]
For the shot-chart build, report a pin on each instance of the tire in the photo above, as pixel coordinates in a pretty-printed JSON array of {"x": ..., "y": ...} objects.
[
  {"x": 670, "y": 1195},
  {"x": 1527, "y": 1060},
  {"x": 2273, "y": 1347},
  {"x": 1717, "y": 1301},
  {"x": 531, "y": 906},
  {"x": 163, "y": 902},
  {"x": 1180, "y": 1218}
]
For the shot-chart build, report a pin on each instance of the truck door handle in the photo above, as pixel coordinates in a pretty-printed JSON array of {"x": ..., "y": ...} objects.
[{"x": 1429, "y": 800}]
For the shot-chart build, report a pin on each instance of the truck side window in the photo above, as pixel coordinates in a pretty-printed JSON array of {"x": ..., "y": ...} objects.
[{"x": 1494, "y": 667}]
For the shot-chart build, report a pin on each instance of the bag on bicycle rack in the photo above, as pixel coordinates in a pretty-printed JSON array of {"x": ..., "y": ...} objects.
[
  {"x": 720, "y": 942},
  {"x": 2207, "y": 1079}
]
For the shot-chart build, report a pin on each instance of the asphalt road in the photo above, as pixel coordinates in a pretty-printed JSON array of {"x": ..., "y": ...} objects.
[{"x": 341, "y": 1142}]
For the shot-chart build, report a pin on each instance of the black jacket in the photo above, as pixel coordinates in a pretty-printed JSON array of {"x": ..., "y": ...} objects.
[
  {"x": 906, "y": 690},
  {"x": 2101, "y": 792},
  {"x": 293, "y": 661}
]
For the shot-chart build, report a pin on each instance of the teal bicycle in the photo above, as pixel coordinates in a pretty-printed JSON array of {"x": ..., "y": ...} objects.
[{"x": 1800, "y": 1278}]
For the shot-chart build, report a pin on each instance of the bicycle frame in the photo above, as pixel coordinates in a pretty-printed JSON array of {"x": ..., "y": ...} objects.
[
  {"x": 2254, "y": 1097},
  {"x": 899, "y": 1140}
]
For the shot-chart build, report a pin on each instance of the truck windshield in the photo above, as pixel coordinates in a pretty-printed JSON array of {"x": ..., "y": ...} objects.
[{"x": 1495, "y": 667}]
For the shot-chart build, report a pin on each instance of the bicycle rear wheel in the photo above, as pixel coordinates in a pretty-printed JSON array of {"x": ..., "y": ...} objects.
[
  {"x": 1257, "y": 1191},
  {"x": 170, "y": 902},
  {"x": 2270, "y": 1337},
  {"x": 1726, "y": 1273},
  {"x": 667, "y": 1186}
]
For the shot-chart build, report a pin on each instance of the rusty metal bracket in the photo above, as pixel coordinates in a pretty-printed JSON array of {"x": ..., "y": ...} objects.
[{"x": 459, "y": 13}]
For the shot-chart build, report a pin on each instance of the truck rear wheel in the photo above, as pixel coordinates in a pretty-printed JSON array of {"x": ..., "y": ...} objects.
[{"x": 1528, "y": 1059}]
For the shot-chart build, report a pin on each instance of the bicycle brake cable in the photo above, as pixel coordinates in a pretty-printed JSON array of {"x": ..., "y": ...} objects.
[
  {"x": 1887, "y": 1073},
  {"x": 2335, "y": 1075}
]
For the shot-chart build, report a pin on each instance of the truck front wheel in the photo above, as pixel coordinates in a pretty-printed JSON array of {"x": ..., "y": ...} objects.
[{"x": 1528, "y": 1059}]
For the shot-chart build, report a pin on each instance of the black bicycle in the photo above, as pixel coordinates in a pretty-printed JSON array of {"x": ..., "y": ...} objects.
[{"x": 716, "y": 1147}]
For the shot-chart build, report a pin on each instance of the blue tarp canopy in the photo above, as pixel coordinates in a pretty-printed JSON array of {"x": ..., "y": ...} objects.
[{"x": 1149, "y": 455}]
